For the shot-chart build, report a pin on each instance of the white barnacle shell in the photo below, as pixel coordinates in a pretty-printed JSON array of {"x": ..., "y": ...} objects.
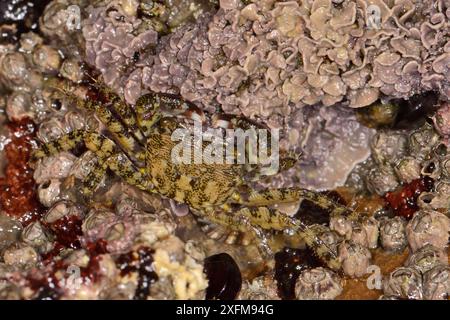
[
  {"x": 29, "y": 40},
  {"x": 95, "y": 219},
  {"x": 14, "y": 68},
  {"x": 49, "y": 192},
  {"x": 431, "y": 168},
  {"x": 20, "y": 255},
  {"x": 392, "y": 234},
  {"x": 318, "y": 283},
  {"x": 71, "y": 70},
  {"x": 436, "y": 283},
  {"x": 428, "y": 227},
  {"x": 355, "y": 258},
  {"x": 342, "y": 225},
  {"x": 18, "y": 106},
  {"x": 36, "y": 236},
  {"x": 54, "y": 167},
  {"x": 426, "y": 258},
  {"x": 260, "y": 288},
  {"x": 389, "y": 147},
  {"x": 423, "y": 140},
  {"x": 370, "y": 227},
  {"x": 54, "y": 20},
  {"x": 60, "y": 210},
  {"x": 382, "y": 180},
  {"x": 51, "y": 130},
  {"x": 408, "y": 169},
  {"x": 47, "y": 59},
  {"x": 404, "y": 283}
]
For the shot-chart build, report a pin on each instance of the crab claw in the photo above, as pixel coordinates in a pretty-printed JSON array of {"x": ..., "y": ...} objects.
[
  {"x": 179, "y": 209},
  {"x": 221, "y": 121},
  {"x": 289, "y": 160},
  {"x": 195, "y": 113}
]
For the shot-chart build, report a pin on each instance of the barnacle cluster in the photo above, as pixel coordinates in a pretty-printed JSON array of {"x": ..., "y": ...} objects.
[{"x": 366, "y": 103}]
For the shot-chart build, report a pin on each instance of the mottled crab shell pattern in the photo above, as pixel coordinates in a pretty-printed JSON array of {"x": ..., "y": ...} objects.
[{"x": 140, "y": 151}]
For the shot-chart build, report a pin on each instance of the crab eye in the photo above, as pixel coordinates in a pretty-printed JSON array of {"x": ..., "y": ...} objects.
[
  {"x": 56, "y": 104},
  {"x": 136, "y": 56}
]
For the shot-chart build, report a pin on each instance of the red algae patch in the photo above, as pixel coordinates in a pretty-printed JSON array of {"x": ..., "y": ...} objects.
[
  {"x": 404, "y": 200},
  {"x": 18, "y": 196}
]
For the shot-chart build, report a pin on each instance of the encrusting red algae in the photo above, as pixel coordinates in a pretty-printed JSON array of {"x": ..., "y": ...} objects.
[
  {"x": 18, "y": 196},
  {"x": 404, "y": 200}
]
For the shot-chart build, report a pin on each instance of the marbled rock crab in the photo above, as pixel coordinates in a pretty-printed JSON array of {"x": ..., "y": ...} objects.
[{"x": 137, "y": 146}]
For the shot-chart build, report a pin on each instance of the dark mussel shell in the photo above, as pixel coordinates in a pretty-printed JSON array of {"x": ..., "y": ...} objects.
[
  {"x": 413, "y": 112},
  {"x": 225, "y": 279},
  {"x": 400, "y": 113}
]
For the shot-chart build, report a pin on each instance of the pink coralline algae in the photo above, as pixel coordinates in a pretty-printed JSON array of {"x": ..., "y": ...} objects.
[{"x": 265, "y": 59}]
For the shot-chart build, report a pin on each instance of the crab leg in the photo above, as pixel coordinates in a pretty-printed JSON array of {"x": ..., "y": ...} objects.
[
  {"x": 288, "y": 195},
  {"x": 148, "y": 112},
  {"x": 150, "y": 107},
  {"x": 261, "y": 218},
  {"x": 119, "y": 132},
  {"x": 268, "y": 218},
  {"x": 128, "y": 116},
  {"x": 100, "y": 101},
  {"x": 94, "y": 177},
  {"x": 122, "y": 166},
  {"x": 104, "y": 149},
  {"x": 125, "y": 113},
  {"x": 95, "y": 142},
  {"x": 241, "y": 224}
]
